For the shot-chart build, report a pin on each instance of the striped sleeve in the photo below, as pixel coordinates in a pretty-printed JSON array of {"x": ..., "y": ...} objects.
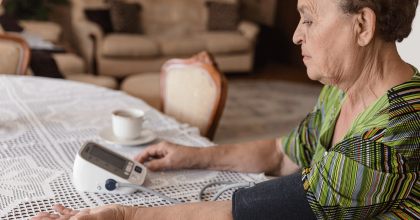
[{"x": 300, "y": 144}]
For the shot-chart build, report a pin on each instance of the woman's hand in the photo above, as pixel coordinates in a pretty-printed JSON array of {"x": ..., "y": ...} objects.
[
  {"x": 170, "y": 155},
  {"x": 107, "y": 212}
]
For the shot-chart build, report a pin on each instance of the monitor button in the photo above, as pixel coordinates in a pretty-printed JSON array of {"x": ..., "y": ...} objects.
[
  {"x": 134, "y": 177},
  {"x": 138, "y": 169},
  {"x": 128, "y": 168},
  {"x": 126, "y": 173}
]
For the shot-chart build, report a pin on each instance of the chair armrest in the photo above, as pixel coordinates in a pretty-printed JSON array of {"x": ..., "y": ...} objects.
[
  {"x": 249, "y": 30},
  {"x": 88, "y": 35},
  {"x": 48, "y": 30}
]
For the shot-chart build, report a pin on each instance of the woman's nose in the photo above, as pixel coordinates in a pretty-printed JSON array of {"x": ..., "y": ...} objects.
[{"x": 298, "y": 36}]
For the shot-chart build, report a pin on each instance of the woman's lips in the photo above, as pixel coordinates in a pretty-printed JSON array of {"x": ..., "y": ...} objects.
[{"x": 306, "y": 58}]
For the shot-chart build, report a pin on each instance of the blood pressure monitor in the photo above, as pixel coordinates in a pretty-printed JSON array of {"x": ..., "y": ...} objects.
[
  {"x": 95, "y": 164},
  {"x": 99, "y": 169}
]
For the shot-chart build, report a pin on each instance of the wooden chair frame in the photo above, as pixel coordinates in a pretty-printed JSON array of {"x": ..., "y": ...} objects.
[
  {"x": 24, "y": 63},
  {"x": 205, "y": 61}
]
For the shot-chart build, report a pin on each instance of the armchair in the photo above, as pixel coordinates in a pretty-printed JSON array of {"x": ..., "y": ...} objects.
[{"x": 170, "y": 29}]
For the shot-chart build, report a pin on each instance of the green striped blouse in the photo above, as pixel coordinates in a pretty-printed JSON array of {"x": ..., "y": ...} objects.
[{"x": 374, "y": 171}]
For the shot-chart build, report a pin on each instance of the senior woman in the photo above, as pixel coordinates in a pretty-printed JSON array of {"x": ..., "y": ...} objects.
[{"x": 355, "y": 156}]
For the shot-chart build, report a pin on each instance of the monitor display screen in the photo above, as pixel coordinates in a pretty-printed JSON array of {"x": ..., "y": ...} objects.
[{"x": 108, "y": 157}]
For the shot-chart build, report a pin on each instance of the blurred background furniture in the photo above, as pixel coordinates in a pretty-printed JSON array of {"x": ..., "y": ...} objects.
[
  {"x": 168, "y": 29},
  {"x": 192, "y": 91},
  {"x": 14, "y": 55},
  {"x": 50, "y": 52}
]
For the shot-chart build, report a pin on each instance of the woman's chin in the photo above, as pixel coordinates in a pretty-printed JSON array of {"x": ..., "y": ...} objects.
[{"x": 313, "y": 75}]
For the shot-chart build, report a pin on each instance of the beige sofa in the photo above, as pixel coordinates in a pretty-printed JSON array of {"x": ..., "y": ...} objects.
[{"x": 172, "y": 29}]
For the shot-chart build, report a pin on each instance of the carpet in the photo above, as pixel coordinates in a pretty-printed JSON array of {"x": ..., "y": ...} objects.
[{"x": 258, "y": 110}]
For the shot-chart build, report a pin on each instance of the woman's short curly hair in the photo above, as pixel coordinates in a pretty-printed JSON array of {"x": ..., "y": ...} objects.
[{"x": 394, "y": 17}]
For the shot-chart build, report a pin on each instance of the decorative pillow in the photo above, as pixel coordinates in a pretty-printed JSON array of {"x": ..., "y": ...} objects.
[
  {"x": 125, "y": 17},
  {"x": 223, "y": 16},
  {"x": 101, "y": 17},
  {"x": 9, "y": 23}
]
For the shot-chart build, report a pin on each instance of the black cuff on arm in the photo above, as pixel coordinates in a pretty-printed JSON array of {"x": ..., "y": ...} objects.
[{"x": 282, "y": 198}]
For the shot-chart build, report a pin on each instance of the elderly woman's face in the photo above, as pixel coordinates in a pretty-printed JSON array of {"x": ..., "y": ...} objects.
[{"x": 327, "y": 40}]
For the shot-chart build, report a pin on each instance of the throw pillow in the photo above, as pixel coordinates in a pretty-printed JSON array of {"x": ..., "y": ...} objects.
[
  {"x": 102, "y": 18},
  {"x": 9, "y": 23},
  {"x": 222, "y": 16},
  {"x": 125, "y": 17}
]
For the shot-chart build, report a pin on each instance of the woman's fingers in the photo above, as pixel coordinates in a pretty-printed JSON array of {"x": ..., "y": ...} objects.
[
  {"x": 157, "y": 150},
  {"x": 64, "y": 211},
  {"x": 143, "y": 156},
  {"x": 47, "y": 216},
  {"x": 158, "y": 164}
]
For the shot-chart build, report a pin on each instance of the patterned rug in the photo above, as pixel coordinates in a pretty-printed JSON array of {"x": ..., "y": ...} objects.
[{"x": 264, "y": 109}]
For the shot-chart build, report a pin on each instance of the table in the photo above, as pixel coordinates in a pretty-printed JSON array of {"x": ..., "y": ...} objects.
[{"x": 43, "y": 123}]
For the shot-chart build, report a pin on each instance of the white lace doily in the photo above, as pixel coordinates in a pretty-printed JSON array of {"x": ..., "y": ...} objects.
[{"x": 43, "y": 123}]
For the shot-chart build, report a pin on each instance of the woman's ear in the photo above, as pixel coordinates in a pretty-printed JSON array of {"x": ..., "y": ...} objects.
[{"x": 366, "y": 21}]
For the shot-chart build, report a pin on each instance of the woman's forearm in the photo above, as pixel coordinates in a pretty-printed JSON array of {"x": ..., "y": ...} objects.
[
  {"x": 251, "y": 157},
  {"x": 194, "y": 211}
]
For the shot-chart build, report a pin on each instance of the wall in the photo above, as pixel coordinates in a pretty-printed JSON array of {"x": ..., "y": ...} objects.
[{"x": 409, "y": 49}]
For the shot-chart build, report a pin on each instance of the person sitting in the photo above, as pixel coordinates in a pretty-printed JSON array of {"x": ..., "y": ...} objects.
[{"x": 355, "y": 156}]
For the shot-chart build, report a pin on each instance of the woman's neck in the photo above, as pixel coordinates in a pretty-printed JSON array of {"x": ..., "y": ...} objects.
[{"x": 382, "y": 68}]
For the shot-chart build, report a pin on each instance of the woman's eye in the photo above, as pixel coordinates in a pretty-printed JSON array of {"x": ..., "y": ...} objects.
[{"x": 307, "y": 22}]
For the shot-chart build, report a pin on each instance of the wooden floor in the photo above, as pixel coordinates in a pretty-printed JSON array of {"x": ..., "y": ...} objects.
[{"x": 275, "y": 71}]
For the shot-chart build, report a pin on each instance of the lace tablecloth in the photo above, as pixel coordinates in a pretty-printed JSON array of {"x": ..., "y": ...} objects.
[{"x": 43, "y": 123}]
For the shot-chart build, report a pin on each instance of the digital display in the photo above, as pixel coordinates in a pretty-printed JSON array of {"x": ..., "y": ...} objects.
[{"x": 108, "y": 157}]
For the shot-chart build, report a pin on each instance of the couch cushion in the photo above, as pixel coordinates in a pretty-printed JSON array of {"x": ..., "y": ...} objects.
[
  {"x": 129, "y": 45},
  {"x": 181, "y": 45},
  {"x": 225, "y": 42}
]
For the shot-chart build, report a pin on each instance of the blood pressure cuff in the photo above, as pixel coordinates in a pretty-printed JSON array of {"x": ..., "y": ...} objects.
[{"x": 282, "y": 198}]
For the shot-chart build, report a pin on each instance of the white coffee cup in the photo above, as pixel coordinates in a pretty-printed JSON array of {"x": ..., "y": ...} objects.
[{"x": 127, "y": 123}]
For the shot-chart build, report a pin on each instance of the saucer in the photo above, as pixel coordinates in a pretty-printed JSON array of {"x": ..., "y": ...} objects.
[{"x": 146, "y": 136}]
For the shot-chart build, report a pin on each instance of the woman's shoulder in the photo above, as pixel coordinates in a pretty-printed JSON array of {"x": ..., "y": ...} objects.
[
  {"x": 407, "y": 93},
  {"x": 404, "y": 111}
]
